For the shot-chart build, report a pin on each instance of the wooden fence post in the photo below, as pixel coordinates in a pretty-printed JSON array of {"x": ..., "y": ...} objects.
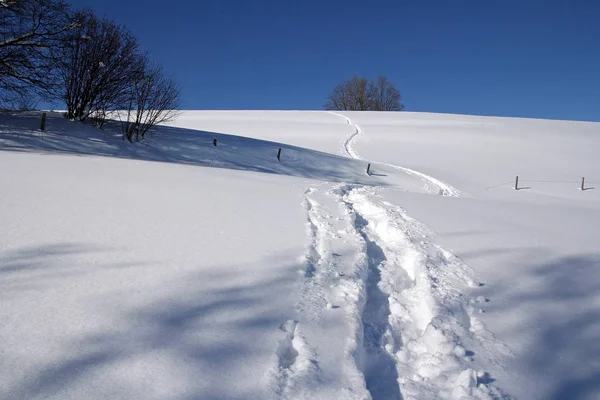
[
  {"x": 517, "y": 183},
  {"x": 583, "y": 183},
  {"x": 215, "y": 142},
  {"x": 43, "y": 126},
  {"x": 369, "y": 169},
  {"x": 279, "y": 155}
]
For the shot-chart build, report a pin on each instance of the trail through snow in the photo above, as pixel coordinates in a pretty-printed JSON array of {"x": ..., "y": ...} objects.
[
  {"x": 379, "y": 296},
  {"x": 432, "y": 183}
]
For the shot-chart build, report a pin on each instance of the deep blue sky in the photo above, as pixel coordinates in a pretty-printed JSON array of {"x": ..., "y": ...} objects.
[{"x": 521, "y": 58}]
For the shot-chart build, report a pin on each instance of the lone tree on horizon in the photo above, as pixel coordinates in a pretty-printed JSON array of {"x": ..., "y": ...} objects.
[{"x": 360, "y": 94}]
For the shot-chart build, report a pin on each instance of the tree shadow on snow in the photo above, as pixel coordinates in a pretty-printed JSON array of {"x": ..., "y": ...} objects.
[
  {"x": 197, "y": 339},
  {"x": 36, "y": 268},
  {"x": 19, "y": 132},
  {"x": 564, "y": 354}
]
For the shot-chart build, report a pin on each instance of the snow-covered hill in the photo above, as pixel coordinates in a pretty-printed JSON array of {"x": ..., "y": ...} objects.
[{"x": 177, "y": 269}]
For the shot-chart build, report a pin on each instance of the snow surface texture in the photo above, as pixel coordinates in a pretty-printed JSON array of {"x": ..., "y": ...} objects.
[{"x": 176, "y": 269}]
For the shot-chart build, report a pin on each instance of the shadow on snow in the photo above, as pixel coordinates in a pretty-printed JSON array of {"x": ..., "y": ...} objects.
[
  {"x": 19, "y": 132},
  {"x": 195, "y": 337},
  {"x": 567, "y": 330}
]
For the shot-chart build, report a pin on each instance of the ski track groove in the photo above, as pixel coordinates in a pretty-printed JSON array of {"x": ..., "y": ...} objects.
[{"x": 379, "y": 366}]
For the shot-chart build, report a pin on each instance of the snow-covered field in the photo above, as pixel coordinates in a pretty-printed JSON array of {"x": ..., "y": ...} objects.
[{"x": 174, "y": 269}]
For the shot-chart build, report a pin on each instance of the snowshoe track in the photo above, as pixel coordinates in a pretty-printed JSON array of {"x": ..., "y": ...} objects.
[{"x": 408, "y": 327}]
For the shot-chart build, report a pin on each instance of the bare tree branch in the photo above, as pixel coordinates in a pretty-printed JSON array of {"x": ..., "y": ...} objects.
[
  {"x": 154, "y": 99},
  {"x": 98, "y": 65},
  {"x": 30, "y": 32}
]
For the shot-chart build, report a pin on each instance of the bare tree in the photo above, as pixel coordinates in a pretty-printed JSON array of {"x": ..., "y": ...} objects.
[
  {"x": 385, "y": 96},
  {"x": 351, "y": 95},
  {"x": 339, "y": 99},
  {"x": 98, "y": 66},
  {"x": 154, "y": 98},
  {"x": 30, "y": 32},
  {"x": 359, "y": 94}
]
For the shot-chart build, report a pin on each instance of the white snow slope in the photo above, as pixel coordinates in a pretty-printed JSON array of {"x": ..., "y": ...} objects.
[{"x": 176, "y": 269}]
